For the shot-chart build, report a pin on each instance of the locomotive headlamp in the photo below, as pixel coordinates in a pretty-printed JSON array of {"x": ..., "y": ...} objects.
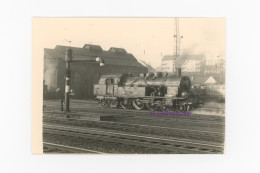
[{"x": 183, "y": 94}]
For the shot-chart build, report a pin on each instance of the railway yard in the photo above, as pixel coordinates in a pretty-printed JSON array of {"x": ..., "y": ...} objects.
[{"x": 89, "y": 128}]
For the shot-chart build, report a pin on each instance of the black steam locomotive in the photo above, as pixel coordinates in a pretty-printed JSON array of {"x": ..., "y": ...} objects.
[{"x": 159, "y": 91}]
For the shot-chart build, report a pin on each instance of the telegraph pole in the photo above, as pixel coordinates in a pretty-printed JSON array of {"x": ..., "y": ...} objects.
[{"x": 68, "y": 60}]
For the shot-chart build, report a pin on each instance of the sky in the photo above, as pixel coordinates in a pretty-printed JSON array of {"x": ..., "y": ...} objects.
[{"x": 148, "y": 39}]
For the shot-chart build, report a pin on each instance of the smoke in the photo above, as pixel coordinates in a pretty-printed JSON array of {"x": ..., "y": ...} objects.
[{"x": 189, "y": 53}]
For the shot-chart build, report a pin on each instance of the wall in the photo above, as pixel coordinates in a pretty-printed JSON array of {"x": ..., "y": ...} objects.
[
  {"x": 50, "y": 73},
  {"x": 167, "y": 66},
  {"x": 83, "y": 76}
]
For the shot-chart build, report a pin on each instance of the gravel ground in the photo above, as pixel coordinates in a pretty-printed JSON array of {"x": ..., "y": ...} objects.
[
  {"x": 133, "y": 117},
  {"x": 160, "y": 132},
  {"x": 54, "y": 151},
  {"x": 99, "y": 145}
]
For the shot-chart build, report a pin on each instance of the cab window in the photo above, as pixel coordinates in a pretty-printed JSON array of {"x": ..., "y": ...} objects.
[{"x": 110, "y": 81}]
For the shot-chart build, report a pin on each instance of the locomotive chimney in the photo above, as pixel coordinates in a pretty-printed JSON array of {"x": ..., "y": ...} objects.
[{"x": 178, "y": 72}]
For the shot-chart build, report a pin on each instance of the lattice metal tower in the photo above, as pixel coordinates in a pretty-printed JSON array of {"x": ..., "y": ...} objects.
[{"x": 177, "y": 38}]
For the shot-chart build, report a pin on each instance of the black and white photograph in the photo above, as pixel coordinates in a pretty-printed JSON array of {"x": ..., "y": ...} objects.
[{"x": 132, "y": 85}]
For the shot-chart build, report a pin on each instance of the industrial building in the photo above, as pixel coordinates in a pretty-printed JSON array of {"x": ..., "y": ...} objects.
[
  {"x": 190, "y": 64},
  {"x": 85, "y": 71},
  {"x": 168, "y": 63}
]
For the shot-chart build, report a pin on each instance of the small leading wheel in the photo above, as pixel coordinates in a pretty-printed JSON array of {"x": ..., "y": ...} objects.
[
  {"x": 138, "y": 104},
  {"x": 181, "y": 108},
  {"x": 188, "y": 108},
  {"x": 99, "y": 103}
]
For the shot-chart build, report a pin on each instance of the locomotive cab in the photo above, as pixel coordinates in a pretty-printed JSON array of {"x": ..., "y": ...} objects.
[{"x": 107, "y": 86}]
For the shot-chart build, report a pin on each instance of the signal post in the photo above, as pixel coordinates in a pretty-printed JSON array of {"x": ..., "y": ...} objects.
[{"x": 68, "y": 60}]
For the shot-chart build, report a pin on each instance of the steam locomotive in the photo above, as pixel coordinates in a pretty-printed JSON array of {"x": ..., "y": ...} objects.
[{"x": 152, "y": 91}]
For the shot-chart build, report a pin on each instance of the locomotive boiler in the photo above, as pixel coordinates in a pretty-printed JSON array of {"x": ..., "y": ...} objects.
[{"x": 152, "y": 91}]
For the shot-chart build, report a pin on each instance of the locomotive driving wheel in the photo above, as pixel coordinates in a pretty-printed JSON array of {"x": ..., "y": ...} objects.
[
  {"x": 125, "y": 103},
  {"x": 138, "y": 104},
  {"x": 113, "y": 104},
  {"x": 104, "y": 103},
  {"x": 151, "y": 106}
]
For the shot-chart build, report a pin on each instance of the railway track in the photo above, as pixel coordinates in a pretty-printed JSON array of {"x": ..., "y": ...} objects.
[
  {"x": 149, "y": 141},
  {"x": 142, "y": 129},
  {"x": 148, "y": 120},
  {"x": 69, "y": 149},
  {"x": 90, "y": 106},
  {"x": 126, "y": 112}
]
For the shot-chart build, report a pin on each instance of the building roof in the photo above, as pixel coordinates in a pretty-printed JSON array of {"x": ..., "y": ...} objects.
[
  {"x": 168, "y": 57},
  {"x": 93, "y": 48},
  {"x": 88, "y": 52},
  {"x": 184, "y": 57},
  {"x": 220, "y": 79},
  {"x": 203, "y": 80},
  {"x": 148, "y": 66}
]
